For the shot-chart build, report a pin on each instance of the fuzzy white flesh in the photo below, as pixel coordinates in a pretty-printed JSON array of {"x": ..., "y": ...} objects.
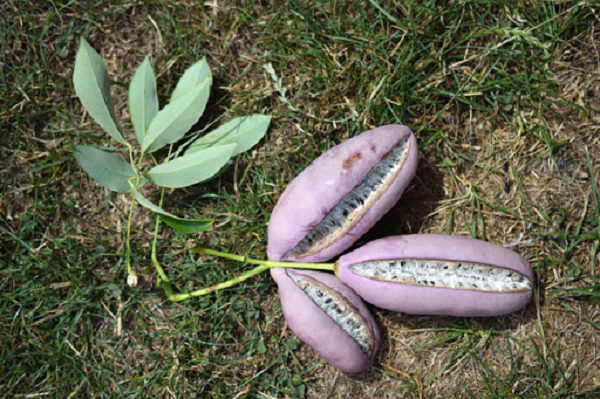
[
  {"x": 444, "y": 274},
  {"x": 351, "y": 209},
  {"x": 339, "y": 310}
]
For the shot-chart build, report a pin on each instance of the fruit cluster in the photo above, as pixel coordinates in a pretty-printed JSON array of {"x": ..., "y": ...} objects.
[{"x": 337, "y": 199}]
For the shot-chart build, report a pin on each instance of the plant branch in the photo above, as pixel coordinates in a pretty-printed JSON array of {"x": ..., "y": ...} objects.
[
  {"x": 269, "y": 263},
  {"x": 220, "y": 286},
  {"x": 263, "y": 265},
  {"x": 131, "y": 275},
  {"x": 157, "y": 266}
]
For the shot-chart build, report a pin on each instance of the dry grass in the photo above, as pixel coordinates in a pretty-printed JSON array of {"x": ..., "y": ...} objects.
[{"x": 503, "y": 99}]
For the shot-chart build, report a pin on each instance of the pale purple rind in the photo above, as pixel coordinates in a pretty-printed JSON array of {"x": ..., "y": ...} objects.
[
  {"x": 325, "y": 182},
  {"x": 421, "y": 300},
  {"x": 313, "y": 326}
]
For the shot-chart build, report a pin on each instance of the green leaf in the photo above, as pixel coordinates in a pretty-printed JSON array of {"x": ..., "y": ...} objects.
[
  {"x": 143, "y": 100},
  {"x": 174, "y": 120},
  {"x": 245, "y": 131},
  {"x": 185, "y": 226},
  {"x": 92, "y": 86},
  {"x": 195, "y": 75},
  {"x": 191, "y": 169},
  {"x": 107, "y": 169}
]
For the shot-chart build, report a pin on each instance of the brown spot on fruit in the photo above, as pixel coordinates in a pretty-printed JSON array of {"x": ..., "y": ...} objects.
[{"x": 351, "y": 161}]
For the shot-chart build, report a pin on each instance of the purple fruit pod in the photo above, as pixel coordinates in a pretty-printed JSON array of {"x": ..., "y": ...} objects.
[
  {"x": 328, "y": 316},
  {"x": 432, "y": 274},
  {"x": 342, "y": 194}
]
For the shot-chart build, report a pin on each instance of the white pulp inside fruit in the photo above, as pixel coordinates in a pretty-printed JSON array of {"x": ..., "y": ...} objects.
[
  {"x": 339, "y": 309},
  {"x": 354, "y": 205},
  {"x": 444, "y": 274}
]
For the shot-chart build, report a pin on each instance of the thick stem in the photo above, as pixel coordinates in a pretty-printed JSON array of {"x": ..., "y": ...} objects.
[
  {"x": 263, "y": 265},
  {"x": 269, "y": 263},
  {"x": 216, "y": 287}
]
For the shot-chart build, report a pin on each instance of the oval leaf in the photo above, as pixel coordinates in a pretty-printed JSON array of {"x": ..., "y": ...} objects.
[
  {"x": 174, "y": 120},
  {"x": 107, "y": 169},
  {"x": 196, "y": 74},
  {"x": 143, "y": 100},
  {"x": 245, "y": 131},
  {"x": 191, "y": 169},
  {"x": 185, "y": 226},
  {"x": 92, "y": 86}
]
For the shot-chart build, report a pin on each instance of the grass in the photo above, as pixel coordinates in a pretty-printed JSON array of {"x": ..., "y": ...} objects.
[{"x": 503, "y": 97}]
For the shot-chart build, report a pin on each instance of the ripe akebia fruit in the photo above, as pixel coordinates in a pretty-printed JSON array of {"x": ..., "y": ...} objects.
[
  {"x": 329, "y": 317},
  {"x": 342, "y": 194},
  {"x": 427, "y": 274},
  {"x": 430, "y": 274}
]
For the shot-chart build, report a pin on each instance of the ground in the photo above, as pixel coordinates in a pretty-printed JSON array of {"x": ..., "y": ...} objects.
[{"x": 503, "y": 98}]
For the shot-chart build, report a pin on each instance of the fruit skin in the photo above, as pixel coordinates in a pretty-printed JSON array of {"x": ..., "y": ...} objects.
[
  {"x": 327, "y": 180},
  {"x": 435, "y": 300},
  {"x": 319, "y": 331}
]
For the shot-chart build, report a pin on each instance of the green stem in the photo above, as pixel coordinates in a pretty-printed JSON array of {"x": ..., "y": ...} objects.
[
  {"x": 132, "y": 276},
  {"x": 220, "y": 286},
  {"x": 269, "y": 263},
  {"x": 263, "y": 265},
  {"x": 131, "y": 161},
  {"x": 141, "y": 159},
  {"x": 157, "y": 266}
]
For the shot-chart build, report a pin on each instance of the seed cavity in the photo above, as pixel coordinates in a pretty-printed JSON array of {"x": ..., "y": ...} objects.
[
  {"x": 339, "y": 309},
  {"x": 355, "y": 204},
  {"x": 444, "y": 274}
]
